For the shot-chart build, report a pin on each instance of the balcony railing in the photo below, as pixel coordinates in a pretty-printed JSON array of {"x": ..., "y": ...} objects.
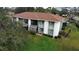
[{"x": 33, "y": 28}]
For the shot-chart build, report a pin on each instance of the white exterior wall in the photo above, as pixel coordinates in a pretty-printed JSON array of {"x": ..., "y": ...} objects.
[
  {"x": 46, "y": 27},
  {"x": 57, "y": 26},
  {"x": 29, "y": 23}
]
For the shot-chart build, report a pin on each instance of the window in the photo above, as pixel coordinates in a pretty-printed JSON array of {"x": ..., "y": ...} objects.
[
  {"x": 40, "y": 24},
  {"x": 40, "y": 30},
  {"x": 26, "y": 20},
  {"x": 51, "y": 25},
  {"x": 34, "y": 22}
]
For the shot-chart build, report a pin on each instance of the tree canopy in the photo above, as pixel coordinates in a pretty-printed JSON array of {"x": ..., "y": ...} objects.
[
  {"x": 48, "y": 9},
  {"x": 12, "y": 36},
  {"x": 55, "y": 11},
  {"x": 39, "y": 9},
  {"x": 64, "y": 11},
  {"x": 24, "y": 9}
]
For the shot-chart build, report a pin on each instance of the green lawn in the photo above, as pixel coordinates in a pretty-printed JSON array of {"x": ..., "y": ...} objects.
[
  {"x": 45, "y": 43},
  {"x": 41, "y": 43}
]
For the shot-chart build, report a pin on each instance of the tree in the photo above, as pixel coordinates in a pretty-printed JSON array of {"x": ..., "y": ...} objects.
[
  {"x": 55, "y": 11},
  {"x": 39, "y": 9},
  {"x": 64, "y": 11},
  {"x": 3, "y": 13},
  {"x": 52, "y": 10},
  {"x": 75, "y": 11},
  {"x": 24, "y": 9},
  {"x": 12, "y": 37},
  {"x": 48, "y": 9},
  {"x": 30, "y": 9}
]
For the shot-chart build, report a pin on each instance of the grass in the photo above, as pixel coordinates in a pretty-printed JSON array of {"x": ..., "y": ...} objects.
[
  {"x": 45, "y": 43},
  {"x": 71, "y": 42},
  {"x": 41, "y": 43}
]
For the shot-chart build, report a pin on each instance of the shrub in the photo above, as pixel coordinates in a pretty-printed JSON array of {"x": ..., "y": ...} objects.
[
  {"x": 33, "y": 33},
  {"x": 12, "y": 37}
]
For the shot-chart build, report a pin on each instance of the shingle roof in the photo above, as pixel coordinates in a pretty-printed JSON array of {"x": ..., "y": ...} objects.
[{"x": 39, "y": 16}]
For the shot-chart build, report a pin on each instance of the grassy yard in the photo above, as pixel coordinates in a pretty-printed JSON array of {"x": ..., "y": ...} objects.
[
  {"x": 45, "y": 43},
  {"x": 41, "y": 43}
]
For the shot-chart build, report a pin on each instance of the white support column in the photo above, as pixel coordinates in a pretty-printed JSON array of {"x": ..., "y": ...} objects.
[
  {"x": 61, "y": 26},
  {"x": 57, "y": 26},
  {"x": 45, "y": 27},
  {"x": 12, "y": 19},
  {"x": 17, "y": 19},
  {"x": 29, "y": 24}
]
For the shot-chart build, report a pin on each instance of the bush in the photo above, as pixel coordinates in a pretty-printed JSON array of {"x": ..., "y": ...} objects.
[
  {"x": 12, "y": 37},
  {"x": 33, "y": 33}
]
